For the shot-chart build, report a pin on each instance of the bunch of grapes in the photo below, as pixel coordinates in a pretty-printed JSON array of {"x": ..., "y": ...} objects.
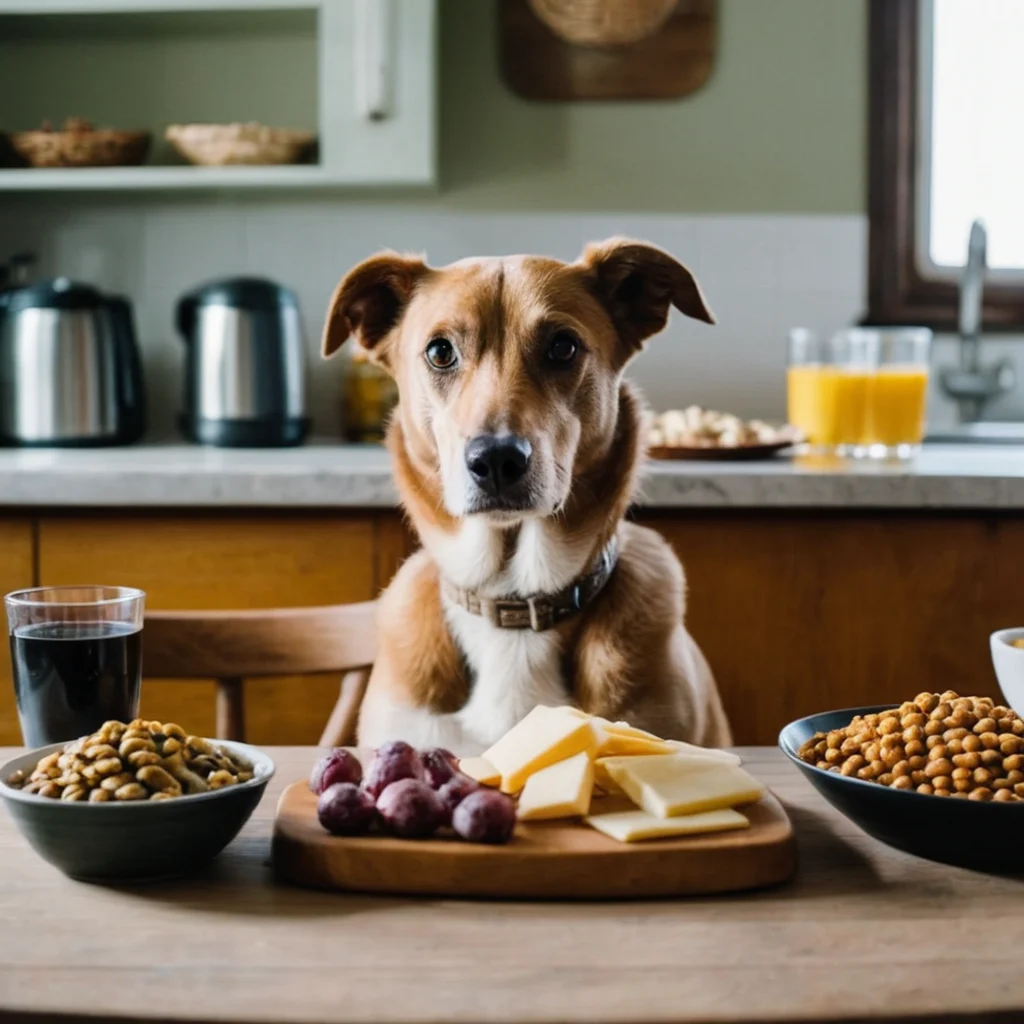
[{"x": 410, "y": 794}]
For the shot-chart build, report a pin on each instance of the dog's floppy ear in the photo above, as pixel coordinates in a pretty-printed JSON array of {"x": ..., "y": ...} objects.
[
  {"x": 637, "y": 283},
  {"x": 369, "y": 300}
]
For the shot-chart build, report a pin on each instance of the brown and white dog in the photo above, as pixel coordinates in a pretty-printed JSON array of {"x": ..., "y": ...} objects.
[{"x": 516, "y": 446}]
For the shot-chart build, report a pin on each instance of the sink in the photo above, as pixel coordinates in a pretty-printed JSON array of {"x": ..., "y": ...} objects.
[{"x": 979, "y": 433}]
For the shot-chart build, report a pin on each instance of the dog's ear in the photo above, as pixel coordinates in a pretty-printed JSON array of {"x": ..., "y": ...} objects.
[
  {"x": 369, "y": 301},
  {"x": 637, "y": 283}
]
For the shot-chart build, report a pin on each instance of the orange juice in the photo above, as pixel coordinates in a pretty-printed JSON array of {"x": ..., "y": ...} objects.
[
  {"x": 828, "y": 403},
  {"x": 896, "y": 406}
]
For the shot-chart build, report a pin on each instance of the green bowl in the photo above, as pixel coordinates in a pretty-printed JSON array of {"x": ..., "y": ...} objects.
[{"x": 134, "y": 841}]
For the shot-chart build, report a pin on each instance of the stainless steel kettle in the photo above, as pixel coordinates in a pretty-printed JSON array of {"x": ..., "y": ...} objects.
[
  {"x": 70, "y": 372},
  {"x": 244, "y": 364}
]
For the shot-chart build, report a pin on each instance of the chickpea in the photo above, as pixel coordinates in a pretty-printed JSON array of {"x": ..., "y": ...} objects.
[
  {"x": 962, "y": 774},
  {"x": 954, "y": 746},
  {"x": 961, "y": 794},
  {"x": 1003, "y": 795},
  {"x": 1018, "y": 727},
  {"x": 913, "y": 720},
  {"x": 934, "y": 741},
  {"x": 1013, "y": 763},
  {"x": 913, "y": 732},
  {"x": 949, "y": 696},
  {"x": 888, "y": 726},
  {"x": 933, "y": 728},
  {"x": 914, "y": 748},
  {"x": 989, "y": 740},
  {"x": 1008, "y": 743},
  {"x": 834, "y": 739},
  {"x": 967, "y": 761},
  {"x": 849, "y": 768},
  {"x": 901, "y": 769},
  {"x": 939, "y": 768},
  {"x": 926, "y": 787},
  {"x": 917, "y": 762},
  {"x": 867, "y": 772},
  {"x": 971, "y": 743},
  {"x": 940, "y": 712},
  {"x": 927, "y": 702},
  {"x": 982, "y": 776},
  {"x": 849, "y": 746},
  {"x": 938, "y": 752},
  {"x": 1004, "y": 724},
  {"x": 1014, "y": 777},
  {"x": 954, "y": 734},
  {"x": 886, "y": 778},
  {"x": 872, "y": 751},
  {"x": 981, "y": 793},
  {"x": 903, "y": 782},
  {"x": 1002, "y": 784},
  {"x": 893, "y": 757},
  {"x": 990, "y": 757},
  {"x": 832, "y": 755},
  {"x": 985, "y": 725},
  {"x": 942, "y": 792},
  {"x": 918, "y": 778},
  {"x": 1019, "y": 789}
]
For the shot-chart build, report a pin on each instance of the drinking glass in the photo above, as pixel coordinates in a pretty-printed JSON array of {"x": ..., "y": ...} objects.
[
  {"x": 827, "y": 382},
  {"x": 77, "y": 659},
  {"x": 897, "y": 392}
]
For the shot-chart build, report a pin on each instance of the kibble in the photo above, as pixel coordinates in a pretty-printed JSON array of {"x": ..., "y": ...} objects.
[
  {"x": 938, "y": 744},
  {"x": 155, "y": 761}
]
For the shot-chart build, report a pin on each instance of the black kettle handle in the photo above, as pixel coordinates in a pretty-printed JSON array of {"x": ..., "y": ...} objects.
[
  {"x": 185, "y": 315},
  {"x": 132, "y": 390}
]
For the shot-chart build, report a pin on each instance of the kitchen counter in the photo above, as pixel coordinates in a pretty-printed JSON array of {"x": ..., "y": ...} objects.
[
  {"x": 330, "y": 475},
  {"x": 862, "y": 933}
]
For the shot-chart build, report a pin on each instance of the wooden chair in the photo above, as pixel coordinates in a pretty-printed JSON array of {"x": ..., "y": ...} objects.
[{"x": 231, "y": 647}]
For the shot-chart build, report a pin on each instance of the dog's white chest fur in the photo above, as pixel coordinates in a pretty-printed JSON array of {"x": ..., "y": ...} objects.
[{"x": 512, "y": 670}]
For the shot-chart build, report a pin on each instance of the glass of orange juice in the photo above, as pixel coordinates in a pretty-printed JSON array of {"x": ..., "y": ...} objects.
[
  {"x": 894, "y": 421},
  {"x": 827, "y": 386}
]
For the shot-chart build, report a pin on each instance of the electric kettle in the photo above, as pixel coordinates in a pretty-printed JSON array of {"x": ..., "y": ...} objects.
[
  {"x": 244, "y": 364},
  {"x": 70, "y": 372}
]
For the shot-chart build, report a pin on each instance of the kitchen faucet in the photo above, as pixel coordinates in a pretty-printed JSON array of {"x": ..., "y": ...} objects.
[{"x": 972, "y": 384}]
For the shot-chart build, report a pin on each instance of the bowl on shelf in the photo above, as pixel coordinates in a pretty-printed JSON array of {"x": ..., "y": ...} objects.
[
  {"x": 77, "y": 144},
  {"x": 136, "y": 840},
  {"x": 218, "y": 145},
  {"x": 987, "y": 836},
  {"x": 1008, "y": 660}
]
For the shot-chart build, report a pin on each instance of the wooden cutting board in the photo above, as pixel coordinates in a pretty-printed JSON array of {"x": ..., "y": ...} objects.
[{"x": 544, "y": 860}]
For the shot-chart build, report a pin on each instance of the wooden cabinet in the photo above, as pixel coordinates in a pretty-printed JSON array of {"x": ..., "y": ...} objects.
[
  {"x": 227, "y": 562},
  {"x": 797, "y": 611},
  {"x": 804, "y": 612},
  {"x": 16, "y": 561}
]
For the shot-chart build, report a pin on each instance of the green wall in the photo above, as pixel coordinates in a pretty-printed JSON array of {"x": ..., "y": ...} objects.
[{"x": 780, "y": 126}]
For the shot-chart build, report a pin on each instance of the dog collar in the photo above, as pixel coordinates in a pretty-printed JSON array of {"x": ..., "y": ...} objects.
[{"x": 542, "y": 611}]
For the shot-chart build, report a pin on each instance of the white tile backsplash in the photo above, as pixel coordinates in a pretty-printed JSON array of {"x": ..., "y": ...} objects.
[{"x": 762, "y": 275}]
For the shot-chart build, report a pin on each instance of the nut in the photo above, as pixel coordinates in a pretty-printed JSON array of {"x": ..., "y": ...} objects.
[
  {"x": 156, "y": 778},
  {"x": 132, "y": 791}
]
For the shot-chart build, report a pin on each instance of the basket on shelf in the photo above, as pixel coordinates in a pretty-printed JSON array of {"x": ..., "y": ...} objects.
[
  {"x": 216, "y": 145},
  {"x": 78, "y": 144}
]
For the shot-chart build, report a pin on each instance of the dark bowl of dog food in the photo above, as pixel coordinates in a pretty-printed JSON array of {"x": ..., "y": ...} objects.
[
  {"x": 137, "y": 838},
  {"x": 950, "y": 825}
]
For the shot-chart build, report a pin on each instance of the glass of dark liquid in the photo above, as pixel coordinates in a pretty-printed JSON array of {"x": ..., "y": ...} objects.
[{"x": 77, "y": 659}]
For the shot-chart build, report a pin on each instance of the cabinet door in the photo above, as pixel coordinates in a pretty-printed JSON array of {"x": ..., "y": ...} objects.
[
  {"x": 223, "y": 562},
  {"x": 15, "y": 573}
]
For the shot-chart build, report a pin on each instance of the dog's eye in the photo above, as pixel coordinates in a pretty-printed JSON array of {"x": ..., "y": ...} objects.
[
  {"x": 441, "y": 354},
  {"x": 563, "y": 347}
]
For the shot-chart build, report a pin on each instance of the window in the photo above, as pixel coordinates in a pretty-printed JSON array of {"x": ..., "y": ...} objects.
[{"x": 947, "y": 93}]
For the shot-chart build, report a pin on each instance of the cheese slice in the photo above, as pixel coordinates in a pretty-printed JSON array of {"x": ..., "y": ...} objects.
[
  {"x": 726, "y": 756},
  {"x": 481, "y": 769},
  {"x": 674, "y": 784},
  {"x": 562, "y": 790},
  {"x": 544, "y": 736},
  {"x": 612, "y": 744},
  {"x": 603, "y": 778},
  {"x": 635, "y": 825}
]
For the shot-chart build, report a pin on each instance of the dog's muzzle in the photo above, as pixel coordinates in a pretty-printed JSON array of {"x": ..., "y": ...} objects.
[{"x": 540, "y": 612}]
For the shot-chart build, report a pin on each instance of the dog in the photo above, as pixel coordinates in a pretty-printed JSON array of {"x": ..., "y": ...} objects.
[{"x": 516, "y": 445}]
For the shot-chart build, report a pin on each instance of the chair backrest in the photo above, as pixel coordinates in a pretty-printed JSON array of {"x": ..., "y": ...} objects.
[{"x": 231, "y": 646}]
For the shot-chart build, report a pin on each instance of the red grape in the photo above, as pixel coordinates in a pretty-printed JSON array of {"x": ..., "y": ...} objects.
[
  {"x": 485, "y": 816},
  {"x": 393, "y": 761},
  {"x": 339, "y": 765},
  {"x": 438, "y": 766},
  {"x": 456, "y": 789},
  {"x": 346, "y": 810},
  {"x": 411, "y": 809}
]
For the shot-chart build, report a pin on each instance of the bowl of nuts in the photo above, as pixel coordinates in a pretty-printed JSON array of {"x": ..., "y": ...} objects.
[
  {"x": 887, "y": 767},
  {"x": 133, "y": 801}
]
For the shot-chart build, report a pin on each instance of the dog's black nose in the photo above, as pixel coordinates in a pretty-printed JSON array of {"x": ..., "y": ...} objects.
[{"x": 497, "y": 463}]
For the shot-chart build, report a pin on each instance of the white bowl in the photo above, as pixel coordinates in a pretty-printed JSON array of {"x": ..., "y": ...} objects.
[{"x": 1009, "y": 665}]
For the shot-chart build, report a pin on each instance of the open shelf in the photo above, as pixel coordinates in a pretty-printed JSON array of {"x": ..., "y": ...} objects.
[{"x": 357, "y": 73}]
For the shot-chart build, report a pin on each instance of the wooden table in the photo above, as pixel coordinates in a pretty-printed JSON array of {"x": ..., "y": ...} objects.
[{"x": 862, "y": 933}]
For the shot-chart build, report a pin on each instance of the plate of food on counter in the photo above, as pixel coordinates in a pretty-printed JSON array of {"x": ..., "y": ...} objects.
[
  {"x": 566, "y": 805},
  {"x": 697, "y": 433}
]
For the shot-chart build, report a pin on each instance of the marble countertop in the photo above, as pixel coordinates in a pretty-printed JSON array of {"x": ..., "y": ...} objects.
[{"x": 330, "y": 475}]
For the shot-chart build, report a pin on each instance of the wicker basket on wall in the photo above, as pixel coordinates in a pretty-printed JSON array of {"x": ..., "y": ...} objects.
[{"x": 603, "y": 22}]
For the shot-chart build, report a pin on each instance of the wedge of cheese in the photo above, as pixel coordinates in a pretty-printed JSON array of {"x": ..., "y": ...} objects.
[
  {"x": 481, "y": 769},
  {"x": 673, "y": 784},
  {"x": 635, "y": 825},
  {"x": 544, "y": 736},
  {"x": 562, "y": 790}
]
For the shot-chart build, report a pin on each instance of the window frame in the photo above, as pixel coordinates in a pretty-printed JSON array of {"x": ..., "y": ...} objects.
[{"x": 904, "y": 286}]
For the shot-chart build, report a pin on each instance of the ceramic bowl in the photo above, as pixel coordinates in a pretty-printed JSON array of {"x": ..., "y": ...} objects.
[
  {"x": 968, "y": 833},
  {"x": 124, "y": 842},
  {"x": 1009, "y": 666}
]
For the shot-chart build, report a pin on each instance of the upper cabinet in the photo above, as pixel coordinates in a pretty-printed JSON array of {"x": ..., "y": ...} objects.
[{"x": 360, "y": 74}]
